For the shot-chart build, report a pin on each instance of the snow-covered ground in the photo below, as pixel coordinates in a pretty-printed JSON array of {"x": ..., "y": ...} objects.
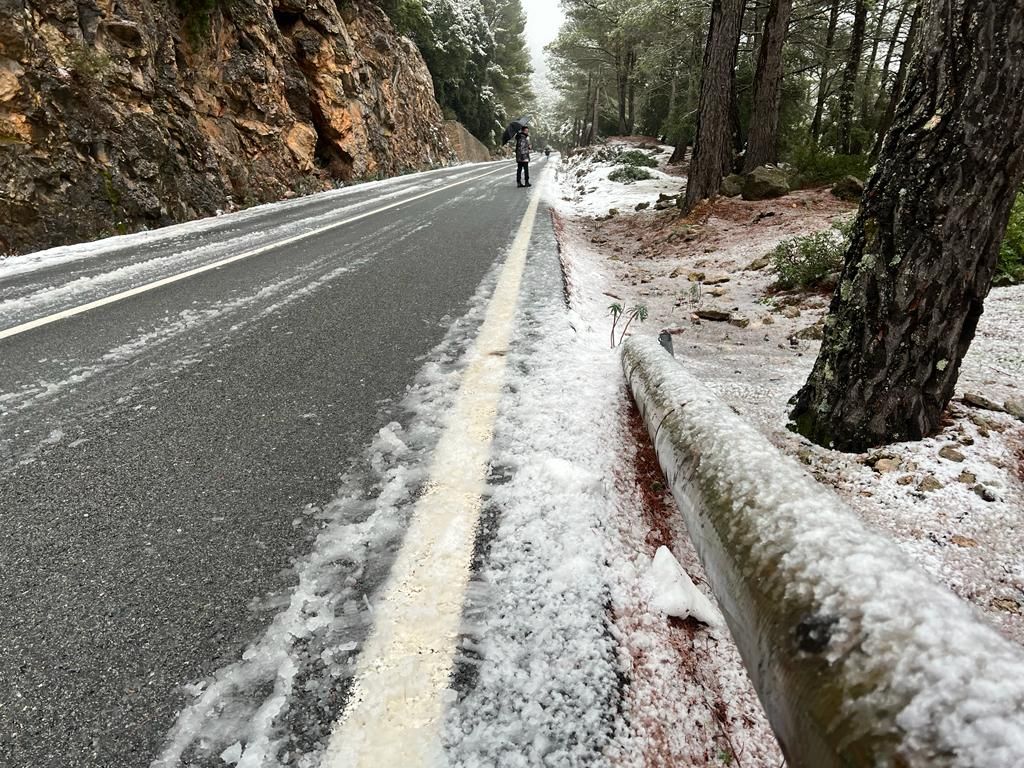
[
  {"x": 954, "y": 502},
  {"x": 568, "y": 654}
]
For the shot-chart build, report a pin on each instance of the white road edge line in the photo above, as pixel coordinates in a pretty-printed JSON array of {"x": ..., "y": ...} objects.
[
  {"x": 64, "y": 314},
  {"x": 402, "y": 677}
]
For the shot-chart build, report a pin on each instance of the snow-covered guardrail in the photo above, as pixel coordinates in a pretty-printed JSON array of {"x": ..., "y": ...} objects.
[{"x": 859, "y": 658}]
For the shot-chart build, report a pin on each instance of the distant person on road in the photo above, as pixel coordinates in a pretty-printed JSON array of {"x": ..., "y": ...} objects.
[{"x": 523, "y": 156}]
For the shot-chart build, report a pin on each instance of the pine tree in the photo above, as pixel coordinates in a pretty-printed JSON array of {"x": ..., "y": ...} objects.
[{"x": 926, "y": 241}]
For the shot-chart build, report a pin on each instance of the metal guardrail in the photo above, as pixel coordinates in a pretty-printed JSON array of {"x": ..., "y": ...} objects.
[{"x": 858, "y": 656}]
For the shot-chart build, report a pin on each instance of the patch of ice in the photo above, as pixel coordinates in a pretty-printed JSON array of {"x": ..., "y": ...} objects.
[
  {"x": 233, "y": 754},
  {"x": 673, "y": 592}
]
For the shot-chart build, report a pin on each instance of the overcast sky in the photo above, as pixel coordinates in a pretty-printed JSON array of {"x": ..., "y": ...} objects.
[{"x": 543, "y": 18}]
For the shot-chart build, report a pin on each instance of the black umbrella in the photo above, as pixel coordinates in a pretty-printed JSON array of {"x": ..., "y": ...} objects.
[{"x": 513, "y": 128}]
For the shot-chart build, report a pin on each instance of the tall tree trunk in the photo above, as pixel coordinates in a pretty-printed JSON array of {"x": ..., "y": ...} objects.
[
  {"x": 705, "y": 175},
  {"x": 926, "y": 241},
  {"x": 734, "y": 143},
  {"x": 762, "y": 138},
  {"x": 906, "y": 56},
  {"x": 582, "y": 140},
  {"x": 865, "y": 105},
  {"x": 694, "y": 57},
  {"x": 893, "y": 40},
  {"x": 622, "y": 85},
  {"x": 849, "y": 87},
  {"x": 824, "y": 77}
]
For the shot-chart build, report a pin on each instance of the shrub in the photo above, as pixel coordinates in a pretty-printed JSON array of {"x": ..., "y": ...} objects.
[
  {"x": 815, "y": 167},
  {"x": 1011, "y": 256},
  {"x": 637, "y": 158},
  {"x": 197, "y": 15},
  {"x": 627, "y": 174},
  {"x": 807, "y": 261}
]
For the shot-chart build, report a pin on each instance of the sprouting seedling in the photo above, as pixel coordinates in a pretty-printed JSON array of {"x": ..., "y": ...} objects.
[
  {"x": 638, "y": 312},
  {"x": 615, "y": 310}
]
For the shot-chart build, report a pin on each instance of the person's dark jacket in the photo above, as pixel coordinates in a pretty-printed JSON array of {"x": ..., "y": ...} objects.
[{"x": 523, "y": 148}]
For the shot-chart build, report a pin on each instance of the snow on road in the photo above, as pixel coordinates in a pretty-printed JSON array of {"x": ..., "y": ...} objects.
[{"x": 143, "y": 258}]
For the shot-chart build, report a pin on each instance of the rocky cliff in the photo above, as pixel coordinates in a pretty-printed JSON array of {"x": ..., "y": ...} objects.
[
  {"x": 467, "y": 147},
  {"x": 121, "y": 114}
]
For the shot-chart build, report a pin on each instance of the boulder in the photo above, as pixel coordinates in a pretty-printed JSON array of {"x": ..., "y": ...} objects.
[
  {"x": 849, "y": 188},
  {"x": 814, "y": 332},
  {"x": 1015, "y": 407},
  {"x": 949, "y": 453},
  {"x": 732, "y": 185},
  {"x": 764, "y": 183},
  {"x": 715, "y": 315},
  {"x": 980, "y": 401},
  {"x": 738, "y": 320}
]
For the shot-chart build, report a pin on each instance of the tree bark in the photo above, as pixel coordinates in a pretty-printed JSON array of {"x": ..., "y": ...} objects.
[
  {"x": 705, "y": 175},
  {"x": 762, "y": 138},
  {"x": 824, "y": 78},
  {"x": 926, "y": 240},
  {"x": 906, "y": 56},
  {"x": 849, "y": 87}
]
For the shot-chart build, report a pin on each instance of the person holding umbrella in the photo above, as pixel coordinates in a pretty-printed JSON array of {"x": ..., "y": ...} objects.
[{"x": 520, "y": 131}]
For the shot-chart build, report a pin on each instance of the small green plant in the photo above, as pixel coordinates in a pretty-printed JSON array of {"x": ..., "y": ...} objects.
[
  {"x": 197, "y": 16},
  {"x": 627, "y": 174},
  {"x": 637, "y": 158},
  {"x": 89, "y": 64},
  {"x": 816, "y": 167},
  {"x": 638, "y": 312},
  {"x": 806, "y": 261},
  {"x": 1011, "y": 256}
]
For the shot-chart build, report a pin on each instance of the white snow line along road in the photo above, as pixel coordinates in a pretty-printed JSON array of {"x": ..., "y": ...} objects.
[
  {"x": 394, "y": 715},
  {"x": 64, "y": 314}
]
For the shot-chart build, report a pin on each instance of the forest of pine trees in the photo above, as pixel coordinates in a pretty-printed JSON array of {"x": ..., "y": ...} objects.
[
  {"x": 922, "y": 98},
  {"x": 476, "y": 53},
  {"x": 811, "y": 80}
]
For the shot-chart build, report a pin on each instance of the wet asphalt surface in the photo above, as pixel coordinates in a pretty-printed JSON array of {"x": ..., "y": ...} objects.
[{"x": 145, "y": 506}]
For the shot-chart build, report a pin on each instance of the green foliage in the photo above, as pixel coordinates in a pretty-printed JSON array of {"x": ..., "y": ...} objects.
[
  {"x": 637, "y": 158},
  {"x": 88, "y": 63},
  {"x": 816, "y": 167},
  {"x": 196, "y": 15},
  {"x": 477, "y": 56},
  {"x": 1011, "y": 255},
  {"x": 627, "y": 174},
  {"x": 807, "y": 261},
  {"x": 638, "y": 312}
]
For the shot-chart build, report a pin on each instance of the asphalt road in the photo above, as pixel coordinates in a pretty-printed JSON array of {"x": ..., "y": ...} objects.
[{"x": 159, "y": 455}]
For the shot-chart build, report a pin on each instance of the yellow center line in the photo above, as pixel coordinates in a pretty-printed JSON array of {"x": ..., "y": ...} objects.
[{"x": 403, "y": 673}]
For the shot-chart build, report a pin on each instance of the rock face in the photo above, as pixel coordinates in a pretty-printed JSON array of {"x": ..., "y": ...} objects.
[
  {"x": 764, "y": 183},
  {"x": 468, "y": 147},
  {"x": 121, "y": 114}
]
